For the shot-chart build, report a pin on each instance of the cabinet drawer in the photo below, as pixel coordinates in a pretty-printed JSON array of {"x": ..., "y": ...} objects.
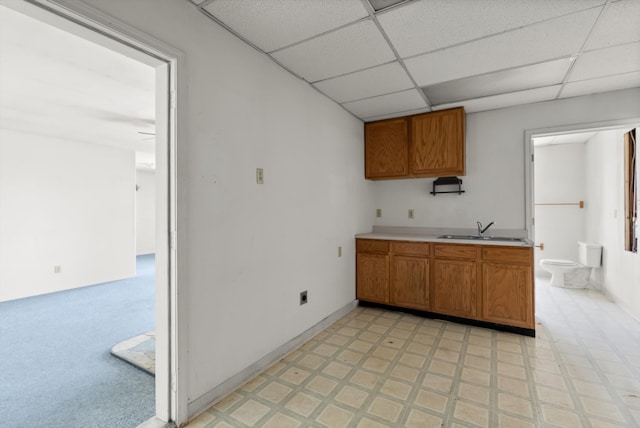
[
  {"x": 410, "y": 248},
  {"x": 372, "y": 246},
  {"x": 466, "y": 252},
  {"x": 507, "y": 254}
]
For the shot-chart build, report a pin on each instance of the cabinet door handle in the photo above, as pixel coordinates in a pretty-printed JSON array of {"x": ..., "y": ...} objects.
[{"x": 541, "y": 246}]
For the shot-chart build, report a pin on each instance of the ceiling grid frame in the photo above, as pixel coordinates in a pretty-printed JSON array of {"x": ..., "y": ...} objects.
[
  {"x": 491, "y": 28},
  {"x": 372, "y": 14},
  {"x": 582, "y": 49}
]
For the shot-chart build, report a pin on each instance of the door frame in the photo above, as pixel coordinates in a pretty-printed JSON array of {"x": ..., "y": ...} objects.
[{"x": 94, "y": 25}]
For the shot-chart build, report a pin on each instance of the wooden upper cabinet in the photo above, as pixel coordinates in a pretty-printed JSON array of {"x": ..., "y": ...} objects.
[
  {"x": 424, "y": 145},
  {"x": 438, "y": 143},
  {"x": 386, "y": 149}
]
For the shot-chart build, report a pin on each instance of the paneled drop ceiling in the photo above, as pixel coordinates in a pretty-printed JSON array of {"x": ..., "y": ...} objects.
[
  {"x": 57, "y": 84},
  {"x": 386, "y": 58}
]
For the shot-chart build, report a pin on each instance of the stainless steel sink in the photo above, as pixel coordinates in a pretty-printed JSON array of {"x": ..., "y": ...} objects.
[{"x": 483, "y": 238}]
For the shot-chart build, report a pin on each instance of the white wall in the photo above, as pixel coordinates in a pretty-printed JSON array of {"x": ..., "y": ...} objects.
[
  {"x": 145, "y": 212},
  {"x": 495, "y": 179},
  {"x": 247, "y": 250},
  {"x": 620, "y": 272},
  {"x": 67, "y": 204},
  {"x": 559, "y": 178}
]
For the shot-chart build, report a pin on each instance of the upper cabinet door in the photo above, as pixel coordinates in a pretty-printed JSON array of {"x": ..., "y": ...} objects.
[
  {"x": 438, "y": 143},
  {"x": 387, "y": 149}
]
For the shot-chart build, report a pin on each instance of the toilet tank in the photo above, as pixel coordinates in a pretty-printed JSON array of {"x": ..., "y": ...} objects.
[{"x": 589, "y": 254}]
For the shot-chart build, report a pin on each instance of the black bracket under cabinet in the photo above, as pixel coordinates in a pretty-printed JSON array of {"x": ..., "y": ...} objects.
[{"x": 447, "y": 181}]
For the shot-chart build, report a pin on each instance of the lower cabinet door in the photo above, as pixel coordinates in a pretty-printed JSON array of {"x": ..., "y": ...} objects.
[
  {"x": 508, "y": 294},
  {"x": 410, "y": 282},
  {"x": 372, "y": 277},
  {"x": 455, "y": 288}
]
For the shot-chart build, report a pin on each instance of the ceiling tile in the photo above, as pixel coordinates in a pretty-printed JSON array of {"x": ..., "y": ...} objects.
[
  {"x": 375, "y": 81},
  {"x": 606, "y": 62},
  {"x": 349, "y": 49},
  {"x": 544, "y": 141},
  {"x": 603, "y": 84},
  {"x": 391, "y": 103},
  {"x": 425, "y": 26},
  {"x": 500, "y": 82},
  {"x": 58, "y": 84},
  {"x": 577, "y": 138},
  {"x": 619, "y": 24},
  {"x": 506, "y": 100},
  {"x": 545, "y": 41},
  {"x": 271, "y": 25},
  {"x": 383, "y": 4}
]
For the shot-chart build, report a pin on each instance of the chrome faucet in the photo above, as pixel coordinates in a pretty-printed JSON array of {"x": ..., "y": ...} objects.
[{"x": 482, "y": 230}]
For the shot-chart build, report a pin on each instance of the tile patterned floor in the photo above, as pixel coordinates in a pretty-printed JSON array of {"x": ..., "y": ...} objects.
[{"x": 376, "y": 368}]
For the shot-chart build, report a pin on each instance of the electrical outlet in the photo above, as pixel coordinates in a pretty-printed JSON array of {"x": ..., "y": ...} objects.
[
  {"x": 303, "y": 297},
  {"x": 259, "y": 176},
  {"x": 339, "y": 251},
  {"x": 410, "y": 213},
  {"x": 56, "y": 269},
  {"x": 378, "y": 212}
]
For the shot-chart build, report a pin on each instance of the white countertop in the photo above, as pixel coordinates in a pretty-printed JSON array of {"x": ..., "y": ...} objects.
[{"x": 432, "y": 235}]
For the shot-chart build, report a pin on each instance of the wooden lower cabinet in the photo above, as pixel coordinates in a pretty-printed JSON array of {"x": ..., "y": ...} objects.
[
  {"x": 508, "y": 294},
  {"x": 372, "y": 273},
  {"x": 455, "y": 288},
  {"x": 480, "y": 282},
  {"x": 410, "y": 282}
]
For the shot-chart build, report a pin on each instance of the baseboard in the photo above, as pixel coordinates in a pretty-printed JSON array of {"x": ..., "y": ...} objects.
[
  {"x": 620, "y": 302},
  {"x": 531, "y": 332},
  {"x": 156, "y": 423},
  {"x": 206, "y": 400}
]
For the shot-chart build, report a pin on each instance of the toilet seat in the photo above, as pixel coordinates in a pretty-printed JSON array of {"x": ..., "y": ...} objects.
[
  {"x": 566, "y": 273},
  {"x": 570, "y": 274}
]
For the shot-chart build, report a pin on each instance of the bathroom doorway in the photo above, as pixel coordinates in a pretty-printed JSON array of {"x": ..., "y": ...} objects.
[
  {"x": 577, "y": 188},
  {"x": 559, "y": 197}
]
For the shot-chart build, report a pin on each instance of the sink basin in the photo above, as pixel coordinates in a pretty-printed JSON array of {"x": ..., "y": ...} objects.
[{"x": 483, "y": 238}]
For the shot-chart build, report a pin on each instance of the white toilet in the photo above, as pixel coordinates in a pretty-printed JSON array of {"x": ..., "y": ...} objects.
[{"x": 566, "y": 273}]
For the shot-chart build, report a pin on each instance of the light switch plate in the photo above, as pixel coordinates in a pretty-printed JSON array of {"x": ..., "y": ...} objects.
[{"x": 259, "y": 176}]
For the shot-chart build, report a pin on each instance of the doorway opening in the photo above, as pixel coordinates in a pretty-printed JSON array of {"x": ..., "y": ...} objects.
[
  {"x": 575, "y": 198},
  {"x": 81, "y": 98}
]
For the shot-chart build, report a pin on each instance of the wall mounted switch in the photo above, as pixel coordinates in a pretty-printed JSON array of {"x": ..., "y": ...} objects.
[
  {"x": 303, "y": 297},
  {"x": 410, "y": 213},
  {"x": 259, "y": 176},
  {"x": 378, "y": 212},
  {"x": 56, "y": 269},
  {"x": 339, "y": 251}
]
